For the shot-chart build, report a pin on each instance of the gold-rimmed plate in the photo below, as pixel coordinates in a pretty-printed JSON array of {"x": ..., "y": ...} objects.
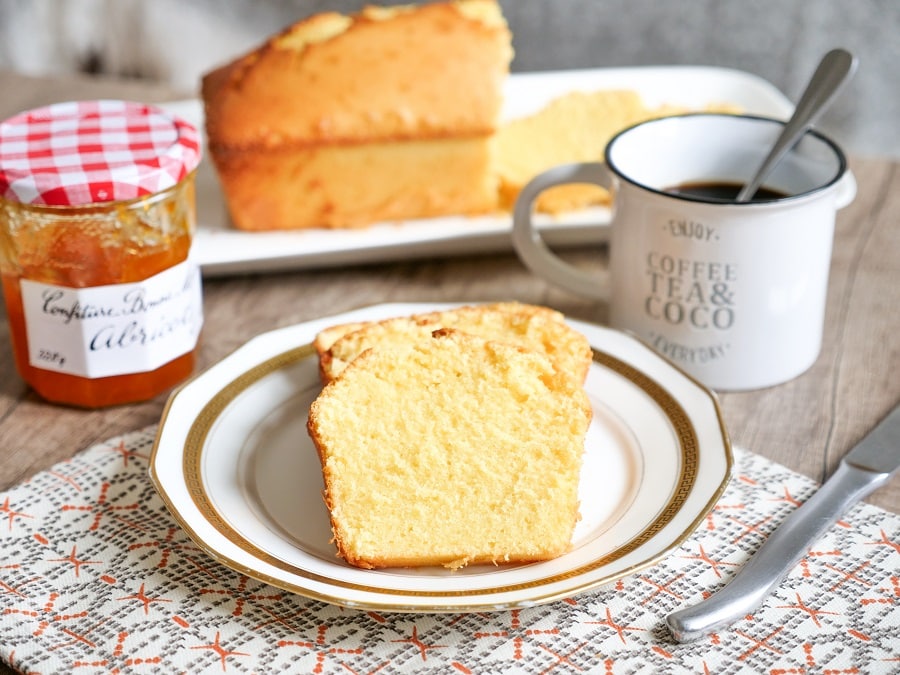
[{"x": 235, "y": 466}]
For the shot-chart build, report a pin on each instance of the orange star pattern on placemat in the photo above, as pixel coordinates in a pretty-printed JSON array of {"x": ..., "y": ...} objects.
[{"x": 98, "y": 577}]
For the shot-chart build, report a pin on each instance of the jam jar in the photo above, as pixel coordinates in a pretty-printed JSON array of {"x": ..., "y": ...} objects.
[{"x": 97, "y": 215}]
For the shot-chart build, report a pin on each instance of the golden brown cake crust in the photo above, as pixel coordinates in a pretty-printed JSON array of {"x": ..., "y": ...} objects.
[
  {"x": 328, "y": 336},
  {"x": 521, "y": 324},
  {"x": 431, "y": 71}
]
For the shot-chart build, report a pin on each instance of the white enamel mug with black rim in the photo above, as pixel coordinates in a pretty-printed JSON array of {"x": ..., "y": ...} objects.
[{"x": 734, "y": 293}]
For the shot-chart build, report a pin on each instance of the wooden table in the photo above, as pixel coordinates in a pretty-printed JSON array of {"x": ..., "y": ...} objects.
[{"x": 806, "y": 424}]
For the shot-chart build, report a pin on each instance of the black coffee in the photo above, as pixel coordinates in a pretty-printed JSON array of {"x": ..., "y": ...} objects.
[{"x": 722, "y": 192}]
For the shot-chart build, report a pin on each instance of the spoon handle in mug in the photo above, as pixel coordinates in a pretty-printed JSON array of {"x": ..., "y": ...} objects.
[{"x": 834, "y": 69}]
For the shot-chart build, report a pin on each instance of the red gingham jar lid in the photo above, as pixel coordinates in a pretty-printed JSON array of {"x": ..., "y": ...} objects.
[{"x": 86, "y": 152}]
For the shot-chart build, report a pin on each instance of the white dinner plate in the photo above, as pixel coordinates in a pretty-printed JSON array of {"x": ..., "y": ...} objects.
[
  {"x": 222, "y": 250},
  {"x": 235, "y": 466}
]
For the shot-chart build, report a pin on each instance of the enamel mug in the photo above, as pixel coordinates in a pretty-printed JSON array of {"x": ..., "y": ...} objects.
[{"x": 733, "y": 293}]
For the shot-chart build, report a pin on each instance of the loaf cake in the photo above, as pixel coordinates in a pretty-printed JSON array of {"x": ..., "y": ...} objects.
[
  {"x": 450, "y": 450},
  {"x": 531, "y": 326},
  {"x": 342, "y": 121}
]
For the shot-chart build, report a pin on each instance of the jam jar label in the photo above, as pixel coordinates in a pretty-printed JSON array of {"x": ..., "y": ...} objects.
[{"x": 117, "y": 329}]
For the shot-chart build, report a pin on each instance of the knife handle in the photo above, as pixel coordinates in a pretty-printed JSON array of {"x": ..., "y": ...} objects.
[{"x": 783, "y": 549}]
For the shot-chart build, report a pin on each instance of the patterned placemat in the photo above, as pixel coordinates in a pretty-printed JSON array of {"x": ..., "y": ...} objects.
[{"x": 96, "y": 577}]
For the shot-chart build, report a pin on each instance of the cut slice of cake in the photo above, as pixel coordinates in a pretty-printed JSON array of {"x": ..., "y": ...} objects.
[
  {"x": 575, "y": 127},
  {"x": 450, "y": 450},
  {"x": 530, "y": 326}
]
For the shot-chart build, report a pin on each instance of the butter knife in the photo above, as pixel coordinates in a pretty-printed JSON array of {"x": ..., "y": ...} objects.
[{"x": 868, "y": 466}]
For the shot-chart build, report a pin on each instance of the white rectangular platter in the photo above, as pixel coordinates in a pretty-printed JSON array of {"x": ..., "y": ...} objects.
[{"x": 223, "y": 250}]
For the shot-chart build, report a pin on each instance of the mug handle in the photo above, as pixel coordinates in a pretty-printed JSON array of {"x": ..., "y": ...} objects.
[
  {"x": 531, "y": 247},
  {"x": 846, "y": 190}
]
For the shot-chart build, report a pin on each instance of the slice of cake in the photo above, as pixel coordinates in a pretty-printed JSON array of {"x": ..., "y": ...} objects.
[
  {"x": 530, "y": 326},
  {"x": 575, "y": 127},
  {"x": 341, "y": 121},
  {"x": 450, "y": 450}
]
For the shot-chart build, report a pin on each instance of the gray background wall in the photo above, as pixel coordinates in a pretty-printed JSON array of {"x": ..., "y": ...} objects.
[{"x": 780, "y": 40}]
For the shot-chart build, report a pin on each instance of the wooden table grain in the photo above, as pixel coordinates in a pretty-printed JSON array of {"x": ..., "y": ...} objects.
[{"x": 807, "y": 424}]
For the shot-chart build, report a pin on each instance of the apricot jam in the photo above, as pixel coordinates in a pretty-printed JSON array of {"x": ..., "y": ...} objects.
[{"x": 103, "y": 300}]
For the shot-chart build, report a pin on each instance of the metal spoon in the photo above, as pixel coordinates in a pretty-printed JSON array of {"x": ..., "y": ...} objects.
[{"x": 835, "y": 68}]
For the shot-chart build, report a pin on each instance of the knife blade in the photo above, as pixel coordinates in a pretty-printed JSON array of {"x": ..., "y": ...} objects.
[{"x": 868, "y": 466}]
